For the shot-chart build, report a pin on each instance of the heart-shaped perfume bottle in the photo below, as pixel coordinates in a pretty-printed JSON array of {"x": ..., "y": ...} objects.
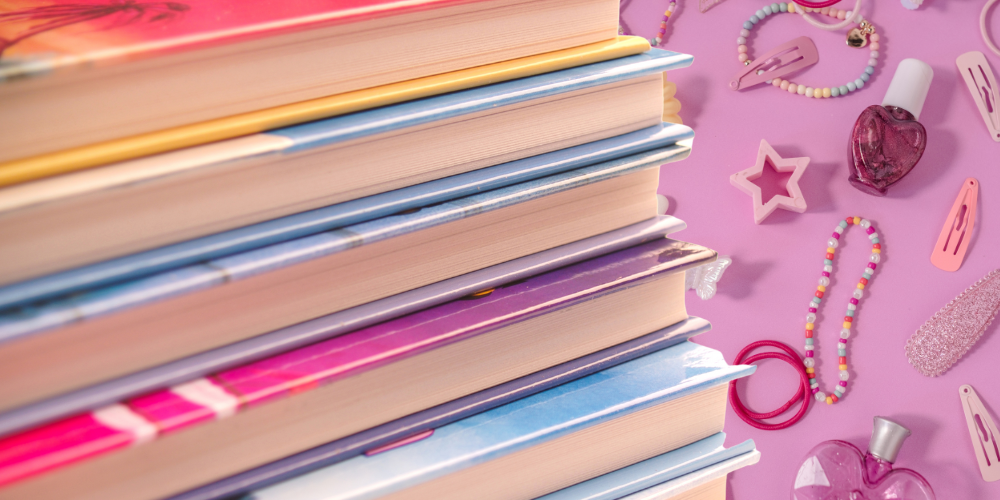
[
  {"x": 887, "y": 141},
  {"x": 836, "y": 470}
]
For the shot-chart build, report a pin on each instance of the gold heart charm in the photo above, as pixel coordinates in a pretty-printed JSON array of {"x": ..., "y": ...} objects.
[{"x": 857, "y": 38}]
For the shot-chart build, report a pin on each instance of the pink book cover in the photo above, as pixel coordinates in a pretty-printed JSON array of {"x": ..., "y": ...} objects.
[
  {"x": 143, "y": 418},
  {"x": 42, "y": 35}
]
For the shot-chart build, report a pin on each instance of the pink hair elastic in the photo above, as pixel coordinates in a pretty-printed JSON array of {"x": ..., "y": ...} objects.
[
  {"x": 802, "y": 392},
  {"x": 984, "y": 31}
]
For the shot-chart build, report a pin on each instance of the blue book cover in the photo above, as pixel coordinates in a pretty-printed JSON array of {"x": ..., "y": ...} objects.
[
  {"x": 308, "y": 332},
  {"x": 613, "y": 393},
  {"x": 349, "y": 213},
  {"x": 343, "y": 449},
  {"x": 675, "y": 487},
  {"x": 684, "y": 467},
  {"x": 217, "y": 272}
]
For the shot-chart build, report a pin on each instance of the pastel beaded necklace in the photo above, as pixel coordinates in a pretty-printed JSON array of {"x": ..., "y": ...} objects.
[
  {"x": 858, "y": 37},
  {"x": 806, "y": 367},
  {"x": 623, "y": 28},
  {"x": 845, "y": 333}
]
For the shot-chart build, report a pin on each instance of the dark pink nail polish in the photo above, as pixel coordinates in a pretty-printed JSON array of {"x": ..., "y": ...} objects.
[{"x": 887, "y": 140}]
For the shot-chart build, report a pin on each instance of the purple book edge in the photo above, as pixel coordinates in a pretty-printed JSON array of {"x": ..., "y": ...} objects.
[
  {"x": 342, "y": 449},
  {"x": 332, "y": 325}
]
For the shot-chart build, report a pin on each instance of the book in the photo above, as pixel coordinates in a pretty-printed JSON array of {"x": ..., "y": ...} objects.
[
  {"x": 59, "y": 346},
  {"x": 406, "y": 427},
  {"x": 548, "y": 441},
  {"x": 68, "y": 221},
  {"x": 75, "y": 73},
  {"x": 250, "y": 415},
  {"x": 682, "y": 470},
  {"x": 331, "y": 325}
]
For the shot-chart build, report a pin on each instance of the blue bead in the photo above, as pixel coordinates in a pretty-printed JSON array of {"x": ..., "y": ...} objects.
[
  {"x": 834, "y": 92},
  {"x": 852, "y": 86},
  {"x": 754, "y": 19},
  {"x": 850, "y": 313},
  {"x": 747, "y": 25},
  {"x": 865, "y": 76},
  {"x": 827, "y": 262},
  {"x": 809, "y": 341},
  {"x": 767, "y": 10},
  {"x": 870, "y": 69},
  {"x": 760, "y": 14},
  {"x": 775, "y": 8},
  {"x": 783, "y": 6},
  {"x": 859, "y": 83},
  {"x": 875, "y": 240},
  {"x": 817, "y": 300},
  {"x": 843, "y": 224},
  {"x": 844, "y": 90},
  {"x": 842, "y": 352}
]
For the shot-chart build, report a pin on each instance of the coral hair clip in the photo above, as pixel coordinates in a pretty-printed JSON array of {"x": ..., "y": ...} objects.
[
  {"x": 782, "y": 60},
  {"x": 982, "y": 83},
  {"x": 953, "y": 242}
]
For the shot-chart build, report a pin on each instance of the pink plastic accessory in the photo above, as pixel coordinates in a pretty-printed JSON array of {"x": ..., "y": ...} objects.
[
  {"x": 794, "y": 202},
  {"x": 704, "y": 5},
  {"x": 982, "y": 83},
  {"x": 983, "y": 432},
  {"x": 953, "y": 242},
  {"x": 947, "y": 336},
  {"x": 782, "y": 60},
  {"x": 836, "y": 470}
]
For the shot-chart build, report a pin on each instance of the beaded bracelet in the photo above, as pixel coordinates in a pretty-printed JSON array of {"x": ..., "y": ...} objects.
[
  {"x": 623, "y": 28},
  {"x": 857, "y": 37}
]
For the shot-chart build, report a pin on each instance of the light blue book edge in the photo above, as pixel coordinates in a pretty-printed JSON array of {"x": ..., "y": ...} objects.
[
  {"x": 431, "y": 109},
  {"x": 644, "y": 382},
  {"x": 687, "y": 482},
  {"x": 218, "y": 272},
  {"x": 659, "y": 470},
  {"x": 287, "y": 228}
]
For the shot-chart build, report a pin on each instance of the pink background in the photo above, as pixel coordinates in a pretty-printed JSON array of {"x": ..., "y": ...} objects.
[{"x": 775, "y": 267}]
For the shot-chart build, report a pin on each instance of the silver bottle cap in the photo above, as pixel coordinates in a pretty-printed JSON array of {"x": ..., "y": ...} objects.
[{"x": 887, "y": 439}]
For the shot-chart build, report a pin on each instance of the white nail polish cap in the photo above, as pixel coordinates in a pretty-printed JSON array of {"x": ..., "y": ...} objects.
[{"x": 909, "y": 86}]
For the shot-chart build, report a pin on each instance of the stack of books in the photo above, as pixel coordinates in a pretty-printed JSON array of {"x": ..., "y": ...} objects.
[{"x": 387, "y": 249}]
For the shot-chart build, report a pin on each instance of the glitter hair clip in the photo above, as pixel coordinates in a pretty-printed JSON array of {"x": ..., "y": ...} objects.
[{"x": 950, "y": 333}]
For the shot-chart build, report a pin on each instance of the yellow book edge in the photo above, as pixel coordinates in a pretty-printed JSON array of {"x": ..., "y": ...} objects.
[{"x": 102, "y": 153}]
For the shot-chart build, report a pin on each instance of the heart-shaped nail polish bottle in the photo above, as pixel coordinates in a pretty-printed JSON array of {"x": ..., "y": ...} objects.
[
  {"x": 887, "y": 140},
  {"x": 836, "y": 470}
]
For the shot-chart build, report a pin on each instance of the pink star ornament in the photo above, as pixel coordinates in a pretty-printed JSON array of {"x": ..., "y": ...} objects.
[{"x": 794, "y": 202}]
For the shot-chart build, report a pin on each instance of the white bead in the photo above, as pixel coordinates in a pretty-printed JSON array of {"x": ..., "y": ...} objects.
[
  {"x": 824, "y": 281},
  {"x": 841, "y": 388},
  {"x": 813, "y": 305},
  {"x": 809, "y": 91},
  {"x": 838, "y": 230},
  {"x": 858, "y": 293},
  {"x": 810, "y": 318},
  {"x": 820, "y": 396},
  {"x": 844, "y": 375},
  {"x": 809, "y": 347},
  {"x": 828, "y": 269},
  {"x": 832, "y": 242},
  {"x": 872, "y": 236},
  {"x": 875, "y": 258},
  {"x": 809, "y": 362},
  {"x": 865, "y": 223},
  {"x": 851, "y": 307},
  {"x": 845, "y": 333}
]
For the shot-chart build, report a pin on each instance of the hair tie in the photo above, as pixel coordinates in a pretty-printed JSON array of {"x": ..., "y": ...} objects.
[{"x": 984, "y": 31}]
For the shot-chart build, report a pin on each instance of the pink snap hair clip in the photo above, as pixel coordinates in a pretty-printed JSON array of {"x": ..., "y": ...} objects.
[
  {"x": 953, "y": 242},
  {"x": 782, "y": 60},
  {"x": 794, "y": 202},
  {"x": 982, "y": 83}
]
